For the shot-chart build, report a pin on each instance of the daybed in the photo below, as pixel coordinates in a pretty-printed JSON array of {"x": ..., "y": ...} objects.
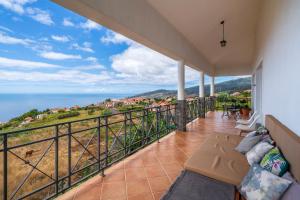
[{"x": 217, "y": 159}]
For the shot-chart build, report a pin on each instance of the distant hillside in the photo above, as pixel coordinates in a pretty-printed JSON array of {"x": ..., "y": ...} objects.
[{"x": 227, "y": 86}]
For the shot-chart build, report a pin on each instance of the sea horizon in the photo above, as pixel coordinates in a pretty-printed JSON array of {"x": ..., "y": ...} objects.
[{"x": 15, "y": 104}]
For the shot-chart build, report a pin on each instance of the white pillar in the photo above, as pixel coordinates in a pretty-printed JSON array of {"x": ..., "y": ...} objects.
[
  {"x": 181, "y": 81},
  {"x": 212, "y": 86},
  {"x": 201, "y": 84}
]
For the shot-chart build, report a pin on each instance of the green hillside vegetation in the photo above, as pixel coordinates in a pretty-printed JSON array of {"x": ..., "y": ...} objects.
[
  {"x": 237, "y": 85},
  {"x": 60, "y": 117}
]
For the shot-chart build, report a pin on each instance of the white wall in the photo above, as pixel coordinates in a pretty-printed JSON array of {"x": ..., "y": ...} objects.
[
  {"x": 258, "y": 92},
  {"x": 278, "y": 46}
]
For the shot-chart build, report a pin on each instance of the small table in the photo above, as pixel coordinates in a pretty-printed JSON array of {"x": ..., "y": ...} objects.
[{"x": 229, "y": 111}]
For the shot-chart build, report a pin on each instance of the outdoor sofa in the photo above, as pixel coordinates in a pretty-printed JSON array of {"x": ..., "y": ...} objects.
[{"x": 217, "y": 160}]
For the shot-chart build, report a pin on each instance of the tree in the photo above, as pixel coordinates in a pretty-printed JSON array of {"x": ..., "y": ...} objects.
[
  {"x": 106, "y": 112},
  {"x": 32, "y": 113},
  {"x": 222, "y": 97},
  {"x": 157, "y": 100}
]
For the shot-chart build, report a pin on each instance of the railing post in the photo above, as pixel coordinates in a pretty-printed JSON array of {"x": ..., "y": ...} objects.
[
  {"x": 99, "y": 143},
  {"x": 5, "y": 175},
  {"x": 143, "y": 128},
  {"x": 168, "y": 118},
  {"x": 195, "y": 107},
  {"x": 199, "y": 107},
  {"x": 206, "y": 104},
  {"x": 69, "y": 154},
  {"x": 147, "y": 125},
  {"x": 106, "y": 144},
  {"x": 56, "y": 159},
  {"x": 214, "y": 103},
  {"x": 125, "y": 134},
  {"x": 181, "y": 114},
  {"x": 202, "y": 107},
  {"x": 157, "y": 123},
  {"x": 130, "y": 129}
]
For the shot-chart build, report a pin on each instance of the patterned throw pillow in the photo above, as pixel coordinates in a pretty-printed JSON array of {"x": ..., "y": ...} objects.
[
  {"x": 262, "y": 130},
  {"x": 260, "y": 184},
  {"x": 258, "y": 152},
  {"x": 267, "y": 138},
  {"x": 274, "y": 162}
]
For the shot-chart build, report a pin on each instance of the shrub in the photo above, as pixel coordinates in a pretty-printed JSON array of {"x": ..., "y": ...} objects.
[
  {"x": 61, "y": 111},
  {"x": 69, "y": 114},
  {"x": 32, "y": 113},
  {"x": 4, "y": 126},
  {"x": 90, "y": 112},
  {"x": 106, "y": 112}
]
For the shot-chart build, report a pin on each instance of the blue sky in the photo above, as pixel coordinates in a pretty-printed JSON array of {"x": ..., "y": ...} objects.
[{"x": 45, "y": 48}]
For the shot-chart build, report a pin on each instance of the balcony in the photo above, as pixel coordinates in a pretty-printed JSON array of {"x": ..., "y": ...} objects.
[
  {"x": 49, "y": 160},
  {"x": 149, "y": 173}
]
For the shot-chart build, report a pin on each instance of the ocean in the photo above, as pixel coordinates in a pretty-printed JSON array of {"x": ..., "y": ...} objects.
[{"x": 13, "y": 105}]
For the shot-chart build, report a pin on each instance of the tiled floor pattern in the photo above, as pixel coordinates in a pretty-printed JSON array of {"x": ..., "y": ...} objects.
[{"x": 148, "y": 174}]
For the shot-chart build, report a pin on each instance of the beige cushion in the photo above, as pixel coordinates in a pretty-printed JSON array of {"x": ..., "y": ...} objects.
[{"x": 216, "y": 158}]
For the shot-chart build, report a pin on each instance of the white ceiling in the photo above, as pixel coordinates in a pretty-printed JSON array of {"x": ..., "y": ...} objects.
[{"x": 199, "y": 22}]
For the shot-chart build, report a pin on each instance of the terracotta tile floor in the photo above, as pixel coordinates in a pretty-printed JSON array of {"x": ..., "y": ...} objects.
[{"x": 149, "y": 173}]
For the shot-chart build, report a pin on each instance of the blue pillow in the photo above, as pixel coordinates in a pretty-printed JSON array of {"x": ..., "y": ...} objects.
[{"x": 259, "y": 184}]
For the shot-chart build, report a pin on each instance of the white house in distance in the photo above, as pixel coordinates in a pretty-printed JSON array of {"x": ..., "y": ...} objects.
[
  {"x": 262, "y": 40},
  {"x": 41, "y": 116}
]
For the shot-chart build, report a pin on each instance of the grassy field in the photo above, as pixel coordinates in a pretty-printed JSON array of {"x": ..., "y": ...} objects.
[{"x": 18, "y": 169}]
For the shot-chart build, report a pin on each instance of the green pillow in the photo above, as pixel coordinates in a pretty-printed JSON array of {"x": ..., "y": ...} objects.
[{"x": 274, "y": 162}]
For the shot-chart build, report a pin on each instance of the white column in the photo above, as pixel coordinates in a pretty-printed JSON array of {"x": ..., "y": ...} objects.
[
  {"x": 212, "y": 86},
  {"x": 181, "y": 80},
  {"x": 201, "y": 84}
]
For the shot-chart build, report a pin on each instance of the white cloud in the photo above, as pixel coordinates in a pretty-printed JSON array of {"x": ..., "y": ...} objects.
[
  {"x": 60, "y": 38},
  {"x": 38, "y": 45},
  {"x": 39, "y": 15},
  {"x": 41, "y": 46},
  {"x": 141, "y": 65},
  {"x": 15, "y": 5},
  {"x": 68, "y": 22},
  {"x": 16, "y": 19},
  {"x": 5, "y": 28},
  {"x": 18, "y": 6},
  {"x": 6, "y": 39},
  {"x": 59, "y": 56},
  {"x": 86, "y": 46},
  {"x": 115, "y": 38},
  {"x": 89, "y": 25},
  {"x": 89, "y": 67},
  {"x": 92, "y": 59},
  {"x": 23, "y": 64},
  {"x": 71, "y": 76}
]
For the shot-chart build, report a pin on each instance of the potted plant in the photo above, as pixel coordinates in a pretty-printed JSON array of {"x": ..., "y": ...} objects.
[
  {"x": 245, "y": 111},
  {"x": 241, "y": 103}
]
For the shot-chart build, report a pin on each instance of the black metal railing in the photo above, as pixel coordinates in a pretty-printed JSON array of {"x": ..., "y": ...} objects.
[
  {"x": 197, "y": 107},
  {"x": 42, "y": 162},
  {"x": 45, "y": 161}
]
